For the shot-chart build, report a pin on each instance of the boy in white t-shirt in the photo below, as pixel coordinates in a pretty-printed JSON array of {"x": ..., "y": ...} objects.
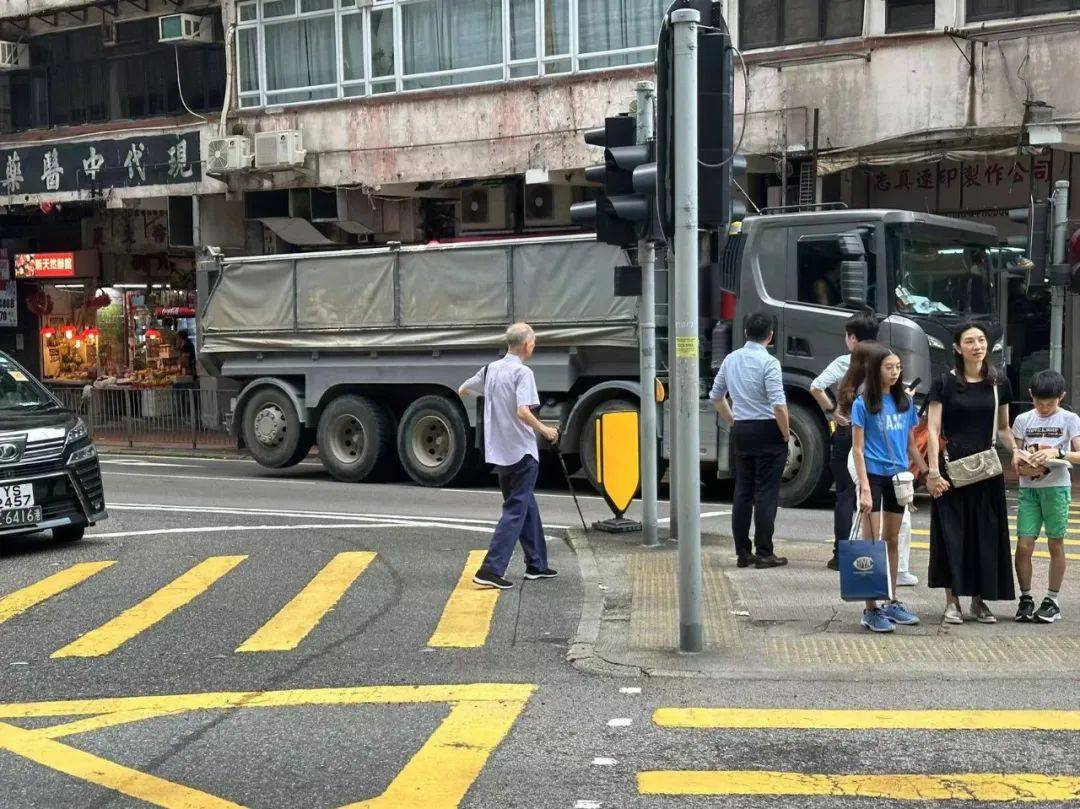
[{"x": 1048, "y": 438}]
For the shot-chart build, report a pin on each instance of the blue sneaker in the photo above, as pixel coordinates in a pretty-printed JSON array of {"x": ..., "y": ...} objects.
[
  {"x": 898, "y": 614},
  {"x": 875, "y": 620}
]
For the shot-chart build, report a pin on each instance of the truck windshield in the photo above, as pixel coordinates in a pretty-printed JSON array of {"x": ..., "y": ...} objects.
[
  {"x": 20, "y": 392},
  {"x": 940, "y": 272}
]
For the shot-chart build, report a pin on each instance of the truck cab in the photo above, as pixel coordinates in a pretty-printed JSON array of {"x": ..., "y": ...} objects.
[{"x": 921, "y": 274}]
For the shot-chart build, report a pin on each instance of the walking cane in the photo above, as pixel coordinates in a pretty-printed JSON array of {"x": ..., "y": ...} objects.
[{"x": 570, "y": 485}]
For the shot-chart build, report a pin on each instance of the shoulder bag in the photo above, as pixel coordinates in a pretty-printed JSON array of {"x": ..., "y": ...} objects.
[
  {"x": 980, "y": 466},
  {"x": 480, "y": 409}
]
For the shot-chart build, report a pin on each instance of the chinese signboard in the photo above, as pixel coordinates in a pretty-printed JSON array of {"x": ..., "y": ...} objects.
[
  {"x": 44, "y": 265},
  {"x": 94, "y": 165},
  {"x": 9, "y": 311}
]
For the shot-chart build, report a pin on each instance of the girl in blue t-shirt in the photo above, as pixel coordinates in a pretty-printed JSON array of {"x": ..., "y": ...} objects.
[{"x": 883, "y": 419}]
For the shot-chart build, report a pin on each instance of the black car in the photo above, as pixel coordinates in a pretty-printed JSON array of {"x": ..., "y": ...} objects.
[{"x": 49, "y": 472}]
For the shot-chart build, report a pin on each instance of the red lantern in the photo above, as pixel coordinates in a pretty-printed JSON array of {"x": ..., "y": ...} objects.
[
  {"x": 152, "y": 334},
  {"x": 69, "y": 332},
  {"x": 48, "y": 332}
]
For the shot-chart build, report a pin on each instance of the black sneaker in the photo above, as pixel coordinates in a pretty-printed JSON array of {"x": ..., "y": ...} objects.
[
  {"x": 833, "y": 564},
  {"x": 1025, "y": 611},
  {"x": 745, "y": 561},
  {"x": 486, "y": 578},
  {"x": 1048, "y": 612},
  {"x": 537, "y": 573}
]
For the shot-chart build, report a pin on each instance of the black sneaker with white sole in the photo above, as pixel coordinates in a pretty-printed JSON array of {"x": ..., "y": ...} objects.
[
  {"x": 1048, "y": 612},
  {"x": 537, "y": 573},
  {"x": 485, "y": 578},
  {"x": 1025, "y": 611}
]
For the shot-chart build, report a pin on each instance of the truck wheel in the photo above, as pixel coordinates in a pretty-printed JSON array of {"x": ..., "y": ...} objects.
[
  {"x": 355, "y": 436},
  {"x": 435, "y": 442},
  {"x": 587, "y": 442},
  {"x": 272, "y": 430},
  {"x": 805, "y": 477}
]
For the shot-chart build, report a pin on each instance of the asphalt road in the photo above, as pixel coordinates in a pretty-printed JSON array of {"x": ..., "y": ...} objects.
[{"x": 233, "y": 636}]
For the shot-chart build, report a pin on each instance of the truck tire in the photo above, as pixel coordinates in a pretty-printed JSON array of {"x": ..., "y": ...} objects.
[
  {"x": 434, "y": 442},
  {"x": 587, "y": 443},
  {"x": 355, "y": 438},
  {"x": 805, "y": 478},
  {"x": 272, "y": 430}
]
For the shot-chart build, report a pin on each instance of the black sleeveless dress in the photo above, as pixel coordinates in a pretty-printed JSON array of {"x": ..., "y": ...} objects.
[{"x": 969, "y": 528}]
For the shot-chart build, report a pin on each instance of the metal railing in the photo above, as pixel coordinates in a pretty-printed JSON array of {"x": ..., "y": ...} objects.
[{"x": 181, "y": 418}]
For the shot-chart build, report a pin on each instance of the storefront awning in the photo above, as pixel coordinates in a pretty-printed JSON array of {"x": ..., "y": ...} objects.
[
  {"x": 964, "y": 144},
  {"x": 299, "y": 232}
]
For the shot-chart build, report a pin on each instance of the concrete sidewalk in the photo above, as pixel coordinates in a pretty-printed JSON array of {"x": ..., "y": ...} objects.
[{"x": 790, "y": 622}]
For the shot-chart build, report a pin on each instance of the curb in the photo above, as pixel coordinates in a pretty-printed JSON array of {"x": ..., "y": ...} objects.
[
  {"x": 583, "y": 644},
  {"x": 173, "y": 452}
]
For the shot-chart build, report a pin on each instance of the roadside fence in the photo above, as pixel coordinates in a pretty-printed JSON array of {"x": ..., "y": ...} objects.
[{"x": 182, "y": 418}]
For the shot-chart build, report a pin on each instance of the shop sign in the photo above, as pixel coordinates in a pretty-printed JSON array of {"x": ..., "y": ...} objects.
[
  {"x": 100, "y": 164},
  {"x": 9, "y": 307},
  {"x": 44, "y": 265}
]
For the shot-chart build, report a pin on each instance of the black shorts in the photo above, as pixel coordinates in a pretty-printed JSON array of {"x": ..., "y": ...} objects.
[{"x": 882, "y": 492}]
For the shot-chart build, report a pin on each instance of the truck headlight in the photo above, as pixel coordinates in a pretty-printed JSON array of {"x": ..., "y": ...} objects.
[{"x": 78, "y": 432}]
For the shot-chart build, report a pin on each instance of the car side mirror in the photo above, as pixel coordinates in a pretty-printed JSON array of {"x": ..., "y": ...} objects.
[{"x": 854, "y": 283}]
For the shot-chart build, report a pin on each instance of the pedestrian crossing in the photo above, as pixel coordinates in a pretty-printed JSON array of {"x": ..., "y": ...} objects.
[
  {"x": 884, "y": 727},
  {"x": 465, "y": 620}
]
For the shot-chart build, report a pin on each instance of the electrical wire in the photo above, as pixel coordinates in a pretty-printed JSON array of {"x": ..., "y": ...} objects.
[
  {"x": 180, "y": 87},
  {"x": 746, "y": 110}
]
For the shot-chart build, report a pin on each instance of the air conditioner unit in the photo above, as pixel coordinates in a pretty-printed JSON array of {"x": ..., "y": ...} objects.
[
  {"x": 185, "y": 29},
  {"x": 279, "y": 149},
  {"x": 108, "y": 34},
  {"x": 14, "y": 55},
  {"x": 228, "y": 154},
  {"x": 485, "y": 209},
  {"x": 548, "y": 205}
]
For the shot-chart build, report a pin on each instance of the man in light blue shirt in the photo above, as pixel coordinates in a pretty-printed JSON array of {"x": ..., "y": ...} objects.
[
  {"x": 758, "y": 418},
  {"x": 510, "y": 429}
]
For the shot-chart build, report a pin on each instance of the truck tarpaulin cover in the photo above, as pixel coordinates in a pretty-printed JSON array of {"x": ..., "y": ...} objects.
[{"x": 419, "y": 298}]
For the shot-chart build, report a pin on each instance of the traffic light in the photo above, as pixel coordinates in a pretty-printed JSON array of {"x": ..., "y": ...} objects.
[
  {"x": 1037, "y": 241},
  {"x": 719, "y": 200},
  {"x": 626, "y": 210}
]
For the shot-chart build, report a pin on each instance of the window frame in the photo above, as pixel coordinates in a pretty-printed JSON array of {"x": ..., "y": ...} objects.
[
  {"x": 891, "y": 4},
  {"x": 778, "y": 41},
  {"x": 1016, "y": 12},
  {"x": 506, "y": 69}
]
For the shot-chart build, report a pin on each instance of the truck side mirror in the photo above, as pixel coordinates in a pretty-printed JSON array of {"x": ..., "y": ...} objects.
[{"x": 854, "y": 283}]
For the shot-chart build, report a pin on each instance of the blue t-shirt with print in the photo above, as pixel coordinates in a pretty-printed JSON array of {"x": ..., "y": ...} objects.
[{"x": 885, "y": 435}]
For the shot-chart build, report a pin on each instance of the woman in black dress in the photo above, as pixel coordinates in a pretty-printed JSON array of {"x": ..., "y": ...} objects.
[{"x": 969, "y": 530}]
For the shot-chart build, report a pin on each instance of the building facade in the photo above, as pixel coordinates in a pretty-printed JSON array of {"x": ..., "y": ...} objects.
[{"x": 284, "y": 125}]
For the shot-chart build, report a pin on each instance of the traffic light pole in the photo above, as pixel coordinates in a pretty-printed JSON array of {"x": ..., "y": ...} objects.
[
  {"x": 685, "y": 417},
  {"x": 646, "y": 252},
  {"x": 1057, "y": 292}
]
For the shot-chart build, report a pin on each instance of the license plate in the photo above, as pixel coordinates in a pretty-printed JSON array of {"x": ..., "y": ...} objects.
[
  {"x": 20, "y": 516},
  {"x": 18, "y": 496}
]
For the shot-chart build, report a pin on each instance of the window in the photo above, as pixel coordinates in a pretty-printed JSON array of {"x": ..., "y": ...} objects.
[
  {"x": 819, "y": 272},
  {"x": 400, "y": 45},
  {"x": 1003, "y": 9},
  {"x": 767, "y": 23},
  {"x": 76, "y": 80},
  {"x": 908, "y": 15}
]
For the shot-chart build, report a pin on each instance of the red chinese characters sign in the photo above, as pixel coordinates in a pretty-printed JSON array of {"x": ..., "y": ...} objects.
[{"x": 44, "y": 265}]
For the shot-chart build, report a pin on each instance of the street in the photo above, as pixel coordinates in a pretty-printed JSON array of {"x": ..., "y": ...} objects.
[{"x": 235, "y": 636}]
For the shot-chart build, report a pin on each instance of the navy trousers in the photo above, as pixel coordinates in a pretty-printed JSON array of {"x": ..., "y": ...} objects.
[{"x": 520, "y": 519}]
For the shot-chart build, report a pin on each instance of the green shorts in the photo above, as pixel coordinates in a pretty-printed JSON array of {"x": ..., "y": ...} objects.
[{"x": 1039, "y": 507}]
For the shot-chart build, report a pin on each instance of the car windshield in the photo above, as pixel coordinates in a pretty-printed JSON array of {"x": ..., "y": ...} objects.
[
  {"x": 941, "y": 273},
  {"x": 19, "y": 391}
]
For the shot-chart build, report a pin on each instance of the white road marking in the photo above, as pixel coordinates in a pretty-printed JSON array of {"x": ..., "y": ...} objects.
[
  {"x": 587, "y": 805},
  {"x": 620, "y": 722},
  {"x": 630, "y": 690},
  {"x": 107, "y": 454},
  {"x": 126, "y": 462},
  {"x": 703, "y": 515},
  {"x": 600, "y": 761},
  {"x": 208, "y": 529},
  {"x": 211, "y": 479}
]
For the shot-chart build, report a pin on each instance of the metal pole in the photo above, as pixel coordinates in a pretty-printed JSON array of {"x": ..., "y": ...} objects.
[
  {"x": 1057, "y": 293},
  {"x": 647, "y": 341},
  {"x": 671, "y": 406},
  {"x": 687, "y": 437}
]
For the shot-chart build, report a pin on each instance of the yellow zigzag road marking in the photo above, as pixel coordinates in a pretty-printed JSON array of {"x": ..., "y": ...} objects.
[
  {"x": 466, "y": 619},
  {"x": 110, "y": 636},
  {"x": 437, "y": 777},
  {"x": 22, "y": 600},
  {"x": 1010, "y": 787},
  {"x": 301, "y": 615}
]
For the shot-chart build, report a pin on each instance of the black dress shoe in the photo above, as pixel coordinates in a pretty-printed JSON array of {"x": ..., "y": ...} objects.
[
  {"x": 745, "y": 561},
  {"x": 833, "y": 564},
  {"x": 763, "y": 562}
]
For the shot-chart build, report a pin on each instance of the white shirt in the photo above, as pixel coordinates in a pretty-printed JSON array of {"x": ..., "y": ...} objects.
[
  {"x": 506, "y": 385},
  {"x": 833, "y": 373}
]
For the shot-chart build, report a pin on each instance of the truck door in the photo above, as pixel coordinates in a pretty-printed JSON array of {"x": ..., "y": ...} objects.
[{"x": 814, "y": 314}]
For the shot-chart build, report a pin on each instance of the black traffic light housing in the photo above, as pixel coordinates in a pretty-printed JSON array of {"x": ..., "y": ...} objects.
[{"x": 1037, "y": 217}]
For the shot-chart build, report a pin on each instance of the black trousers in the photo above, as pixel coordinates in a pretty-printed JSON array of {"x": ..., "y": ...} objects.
[
  {"x": 845, "y": 486},
  {"x": 760, "y": 454}
]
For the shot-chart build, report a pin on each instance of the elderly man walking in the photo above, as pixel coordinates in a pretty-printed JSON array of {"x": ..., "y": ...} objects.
[
  {"x": 510, "y": 429},
  {"x": 758, "y": 418}
]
